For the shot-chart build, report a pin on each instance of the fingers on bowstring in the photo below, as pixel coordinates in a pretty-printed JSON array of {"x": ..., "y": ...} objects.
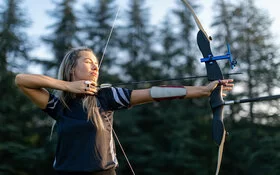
[
  {"x": 90, "y": 87},
  {"x": 88, "y": 83}
]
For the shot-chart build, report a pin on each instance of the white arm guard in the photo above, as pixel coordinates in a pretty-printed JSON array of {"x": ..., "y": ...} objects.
[{"x": 160, "y": 93}]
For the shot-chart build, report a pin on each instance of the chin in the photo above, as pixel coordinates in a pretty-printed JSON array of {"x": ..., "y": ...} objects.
[{"x": 94, "y": 80}]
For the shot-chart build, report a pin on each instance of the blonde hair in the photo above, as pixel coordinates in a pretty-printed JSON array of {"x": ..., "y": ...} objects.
[{"x": 65, "y": 72}]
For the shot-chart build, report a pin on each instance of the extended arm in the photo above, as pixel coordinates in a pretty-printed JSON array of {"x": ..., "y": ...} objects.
[{"x": 144, "y": 95}]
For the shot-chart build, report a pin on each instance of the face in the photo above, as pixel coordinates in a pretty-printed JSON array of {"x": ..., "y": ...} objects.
[{"x": 86, "y": 67}]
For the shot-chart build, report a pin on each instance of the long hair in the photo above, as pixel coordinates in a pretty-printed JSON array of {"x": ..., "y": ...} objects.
[
  {"x": 65, "y": 73},
  {"x": 90, "y": 105}
]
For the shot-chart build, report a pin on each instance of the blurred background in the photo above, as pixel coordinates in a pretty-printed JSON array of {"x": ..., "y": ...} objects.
[{"x": 151, "y": 40}]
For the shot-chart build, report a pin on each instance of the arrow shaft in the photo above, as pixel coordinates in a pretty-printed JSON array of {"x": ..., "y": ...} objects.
[
  {"x": 250, "y": 100},
  {"x": 169, "y": 79}
]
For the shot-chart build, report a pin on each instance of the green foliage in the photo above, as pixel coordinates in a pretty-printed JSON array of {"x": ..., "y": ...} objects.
[
  {"x": 23, "y": 140},
  {"x": 98, "y": 19},
  {"x": 24, "y": 147},
  {"x": 136, "y": 43},
  {"x": 242, "y": 26},
  {"x": 64, "y": 35},
  {"x": 14, "y": 44},
  {"x": 252, "y": 150},
  {"x": 170, "y": 137}
]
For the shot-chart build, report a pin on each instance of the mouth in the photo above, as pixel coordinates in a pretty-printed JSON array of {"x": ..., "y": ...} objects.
[{"x": 95, "y": 74}]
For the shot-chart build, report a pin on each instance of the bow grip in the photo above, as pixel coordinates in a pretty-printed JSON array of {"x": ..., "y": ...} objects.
[{"x": 216, "y": 103}]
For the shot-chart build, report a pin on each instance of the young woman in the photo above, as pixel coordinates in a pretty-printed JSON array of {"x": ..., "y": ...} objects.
[{"x": 84, "y": 112}]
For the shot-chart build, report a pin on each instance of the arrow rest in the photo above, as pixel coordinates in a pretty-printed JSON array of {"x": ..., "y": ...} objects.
[
  {"x": 105, "y": 85},
  {"x": 227, "y": 134}
]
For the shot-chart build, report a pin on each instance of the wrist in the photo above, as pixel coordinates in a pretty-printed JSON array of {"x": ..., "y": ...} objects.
[
  {"x": 205, "y": 91},
  {"x": 65, "y": 85}
]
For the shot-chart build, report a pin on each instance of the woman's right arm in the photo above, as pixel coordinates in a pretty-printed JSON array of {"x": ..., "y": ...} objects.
[{"x": 33, "y": 86}]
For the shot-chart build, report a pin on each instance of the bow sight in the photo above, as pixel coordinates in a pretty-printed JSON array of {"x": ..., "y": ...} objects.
[{"x": 227, "y": 56}]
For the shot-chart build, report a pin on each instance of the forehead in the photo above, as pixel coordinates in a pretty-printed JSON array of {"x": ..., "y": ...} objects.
[{"x": 87, "y": 55}]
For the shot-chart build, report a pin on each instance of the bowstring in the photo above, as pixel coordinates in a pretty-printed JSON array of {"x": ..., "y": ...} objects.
[
  {"x": 119, "y": 143},
  {"x": 109, "y": 38},
  {"x": 101, "y": 60}
]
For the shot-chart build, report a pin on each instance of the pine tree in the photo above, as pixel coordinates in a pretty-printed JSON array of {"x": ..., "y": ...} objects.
[
  {"x": 169, "y": 51},
  {"x": 195, "y": 116},
  {"x": 182, "y": 125},
  {"x": 22, "y": 137},
  {"x": 189, "y": 53},
  {"x": 135, "y": 36},
  {"x": 136, "y": 42},
  {"x": 14, "y": 44},
  {"x": 225, "y": 34},
  {"x": 64, "y": 35},
  {"x": 96, "y": 25},
  {"x": 244, "y": 26}
]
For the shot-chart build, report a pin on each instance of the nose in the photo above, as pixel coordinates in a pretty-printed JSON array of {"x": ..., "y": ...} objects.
[{"x": 94, "y": 66}]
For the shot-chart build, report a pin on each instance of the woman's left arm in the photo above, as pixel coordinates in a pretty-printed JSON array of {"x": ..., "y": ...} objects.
[{"x": 144, "y": 95}]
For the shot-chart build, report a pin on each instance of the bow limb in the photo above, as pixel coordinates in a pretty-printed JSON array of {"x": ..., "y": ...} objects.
[
  {"x": 216, "y": 99},
  {"x": 198, "y": 23}
]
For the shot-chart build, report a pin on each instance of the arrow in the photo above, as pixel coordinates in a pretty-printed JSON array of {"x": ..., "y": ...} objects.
[
  {"x": 250, "y": 100},
  {"x": 161, "y": 80}
]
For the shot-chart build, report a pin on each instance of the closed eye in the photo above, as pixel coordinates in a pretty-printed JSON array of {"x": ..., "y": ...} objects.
[{"x": 90, "y": 61}]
